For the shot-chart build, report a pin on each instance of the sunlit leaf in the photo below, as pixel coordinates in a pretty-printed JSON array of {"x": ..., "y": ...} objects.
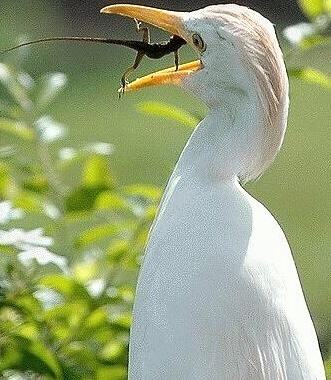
[
  {"x": 6, "y": 182},
  {"x": 28, "y": 330},
  {"x": 63, "y": 319},
  {"x": 109, "y": 200},
  {"x": 97, "y": 318},
  {"x": 113, "y": 350},
  {"x": 28, "y": 201},
  {"x": 49, "y": 364},
  {"x": 65, "y": 285},
  {"x": 28, "y": 304},
  {"x": 84, "y": 197},
  {"x": 314, "y": 41},
  {"x": 97, "y": 173},
  {"x": 152, "y": 193},
  {"x": 37, "y": 183},
  {"x": 16, "y": 129},
  {"x": 118, "y": 249},
  {"x": 122, "y": 321},
  {"x": 311, "y": 75},
  {"x": 314, "y": 8},
  {"x": 9, "y": 250},
  {"x": 97, "y": 233},
  {"x": 168, "y": 111},
  {"x": 86, "y": 270},
  {"x": 10, "y": 358},
  {"x": 113, "y": 373},
  {"x": 327, "y": 366}
]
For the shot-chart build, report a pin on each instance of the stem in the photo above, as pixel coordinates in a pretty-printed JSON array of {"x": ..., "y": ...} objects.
[{"x": 58, "y": 189}]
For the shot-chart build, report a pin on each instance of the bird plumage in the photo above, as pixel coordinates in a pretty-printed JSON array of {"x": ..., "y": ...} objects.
[{"x": 218, "y": 295}]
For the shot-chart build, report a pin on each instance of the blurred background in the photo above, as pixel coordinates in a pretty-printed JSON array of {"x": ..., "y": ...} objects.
[{"x": 89, "y": 170}]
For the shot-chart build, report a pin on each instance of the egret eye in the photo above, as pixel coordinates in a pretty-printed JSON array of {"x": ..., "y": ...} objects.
[{"x": 198, "y": 42}]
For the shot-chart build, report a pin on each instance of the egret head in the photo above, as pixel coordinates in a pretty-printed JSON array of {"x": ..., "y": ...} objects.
[{"x": 239, "y": 58}]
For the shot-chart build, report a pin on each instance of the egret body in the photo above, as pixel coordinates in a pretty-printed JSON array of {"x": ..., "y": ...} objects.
[{"x": 218, "y": 295}]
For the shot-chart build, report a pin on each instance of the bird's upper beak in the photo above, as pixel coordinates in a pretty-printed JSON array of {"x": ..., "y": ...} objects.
[{"x": 169, "y": 21}]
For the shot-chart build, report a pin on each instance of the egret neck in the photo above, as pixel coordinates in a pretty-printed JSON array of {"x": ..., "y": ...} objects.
[{"x": 226, "y": 142}]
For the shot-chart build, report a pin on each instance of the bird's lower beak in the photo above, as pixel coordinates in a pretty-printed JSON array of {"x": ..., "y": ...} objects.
[{"x": 169, "y": 21}]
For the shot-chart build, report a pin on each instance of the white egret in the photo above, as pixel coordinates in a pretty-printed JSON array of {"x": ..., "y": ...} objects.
[{"x": 218, "y": 294}]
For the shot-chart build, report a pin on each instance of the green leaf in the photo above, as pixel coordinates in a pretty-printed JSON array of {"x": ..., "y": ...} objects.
[
  {"x": 122, "y": 321},
  {"x": 118, "y": 249},
  {"x": 311, "y": 75},
  {"x": 97, "y": 173},
  {"x": 151, "y": 193},
  {"x": 97, "y": 233},
  {"x": 314, "y": 8},
  {"x": 315, "y": 40},
  {"x": 168, "y": 111},
  {"x": 327, "y": 366},
  {"x": 28, "y": 201},
  {"x": 64, "y": 285},
  {"x": 48, "y": 363},
  {"x": 34, "y": 356},
  {"x": 112, "y": 351},
  {"x": 10, "y": 358},
  {"x": 37, "y": 183},
  {"x": 82, "y": 199},
  {"x": 113, "y": 373},
  {"x": 16, "y": 129},
  {"x": 85, "y": 270},
  {"x": 109, "y": 200}
]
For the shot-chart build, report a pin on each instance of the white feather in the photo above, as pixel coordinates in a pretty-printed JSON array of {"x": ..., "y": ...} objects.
[{"x": 218, "y": 296}]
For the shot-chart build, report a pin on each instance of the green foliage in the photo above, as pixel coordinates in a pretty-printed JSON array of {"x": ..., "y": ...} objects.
[
  {"x": 315, "y": 8},
  {"x": 65, "y": 302},
  {"x": 311, "y": 75},
  {"x": 168, "y": 111},
  {"x": 327, "y": 366},
  {"x": 305, "y": 37}
]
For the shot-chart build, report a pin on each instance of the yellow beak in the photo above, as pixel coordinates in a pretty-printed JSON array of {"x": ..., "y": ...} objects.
[{"x": 169, "y": 21}]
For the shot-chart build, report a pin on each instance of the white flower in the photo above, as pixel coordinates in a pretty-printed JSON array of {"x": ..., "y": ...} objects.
[
  {"x": 96, "y": 287},
  {"x": 43, "y": 256},
  {"x": 7, "y": 212},
  {"x": 51, "y": 211},
  {"x": 49, "y": 129},
  {"x": 67, "y": 153},
  {"x": 48, "y": 297},
  {"x": 25, "y": 239},
  {"x": 298, "y": 32}
]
